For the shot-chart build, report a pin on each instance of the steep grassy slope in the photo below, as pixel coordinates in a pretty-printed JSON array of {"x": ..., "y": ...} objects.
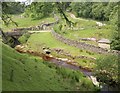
[{"x": 28, "y": 73}]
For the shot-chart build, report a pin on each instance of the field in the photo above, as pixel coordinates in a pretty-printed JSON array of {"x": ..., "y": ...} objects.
[
  {"x": 47, "y": 40},
  {"x": 59, "y": 46},
  {"x": 84, "y": 28},
  {"x": 26, "y": 22}
]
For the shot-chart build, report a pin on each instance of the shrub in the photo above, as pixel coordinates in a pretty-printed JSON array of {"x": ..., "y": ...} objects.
[
  {"x": 56, "y": 28},
  {"x": 24, "y": 38},
  {"x": 87, "y": 83},
  {"x": 107, "y": 70},
  {"x": 67, "y": 73}
]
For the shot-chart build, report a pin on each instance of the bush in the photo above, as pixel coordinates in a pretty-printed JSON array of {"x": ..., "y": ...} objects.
[
  {"x": 115, "y": 44},
  {"x": 24, "y": 38},
  {"x": 87, "y": 83},
  {"x": 56, "y": 29},
  {"x": 68, "y": 73},
  {"x": 107, "y": 70}
]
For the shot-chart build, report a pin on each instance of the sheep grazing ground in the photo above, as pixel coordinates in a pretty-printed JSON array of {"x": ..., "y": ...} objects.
[{"x": 32, "y": 72}]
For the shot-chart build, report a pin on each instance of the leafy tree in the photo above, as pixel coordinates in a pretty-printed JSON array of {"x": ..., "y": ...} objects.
[
  {"x": 99, "y": 11},
  {"x": 13, "y": 7},
  {"x": 115, "y": 44},
  {"x": 7, "y": 9},
  {"x": 39, "y": 10},
  {"x": 106, "y": 70},
  {"x": 59, "y": 7}
]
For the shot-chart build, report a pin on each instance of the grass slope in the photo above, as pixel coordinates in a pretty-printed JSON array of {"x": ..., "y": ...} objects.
[
  {"x": 84, "y": 28},
  {"x": 31, "y": 74},
  {"x": 39, "y": 40}
]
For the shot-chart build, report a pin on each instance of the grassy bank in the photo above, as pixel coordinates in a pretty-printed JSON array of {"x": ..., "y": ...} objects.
[
  {"x": 22, "y": 72},
  {"x": 38, "y": 41}
]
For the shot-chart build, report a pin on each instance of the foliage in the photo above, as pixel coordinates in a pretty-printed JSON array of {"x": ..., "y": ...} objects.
[
  {"x": 24, "y": 38},
  {"x": 81, "y": 10},
  {"x": 107, "y": 70},
  {"x": 11, "y": 8},
  {"x": 67, "y": 73},
  {"x": 75, "y": 77},
  {"x": 38, "y": 10},
  {"x": 61, "y": 11},
  {"x": 103, "y": 11},
  {"x": 57, "y": 28},
  {"x": 115, "y": 44}
]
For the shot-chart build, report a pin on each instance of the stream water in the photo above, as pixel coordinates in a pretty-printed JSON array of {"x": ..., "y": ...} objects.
[{"x": 89, "y": 74}]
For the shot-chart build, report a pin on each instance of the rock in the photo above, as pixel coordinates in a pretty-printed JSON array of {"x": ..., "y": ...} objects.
[
  {"x": 100, "y": 24},
  {"x": 94, "y": 80}
]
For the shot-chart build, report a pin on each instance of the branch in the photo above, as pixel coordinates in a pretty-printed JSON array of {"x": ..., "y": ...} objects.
[{"x": 61, "y": 11}]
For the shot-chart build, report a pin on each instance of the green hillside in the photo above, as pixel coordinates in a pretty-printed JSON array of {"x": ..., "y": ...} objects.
[{"x": 28, "y": 73}]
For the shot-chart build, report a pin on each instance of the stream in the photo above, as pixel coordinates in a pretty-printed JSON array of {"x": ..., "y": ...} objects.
[
  {"x": 63, "y": 62},
  {"x": 74, "y": 67},
  {"x": 89, "y": 74}
]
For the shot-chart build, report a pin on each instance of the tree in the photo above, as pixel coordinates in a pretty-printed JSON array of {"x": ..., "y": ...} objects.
[
  {"x": 6, "y": 10},
  {"x": 59, "y": 7},
  {"x": 106, "y": 70},
  {"x": 38, "y": 10},
  {"x": 10, "y": 8},
  {"x": 99, "y": 11},
  {"x": 115, "y": 44}
]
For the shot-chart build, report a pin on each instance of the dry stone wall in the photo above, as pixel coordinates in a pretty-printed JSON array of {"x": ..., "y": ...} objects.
[
  {"x": 20, "y": 31},
  {"x": 45, "y": 26},
  {"x": 82, "y": 45},
  {"x": 59, "y": 37},
  {"x": 62, "y": 52}
]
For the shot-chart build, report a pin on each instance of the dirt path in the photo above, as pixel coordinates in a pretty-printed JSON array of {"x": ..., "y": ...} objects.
[
  {"x": 74, "y": 17},
  {"x": 41, "y": 31}
]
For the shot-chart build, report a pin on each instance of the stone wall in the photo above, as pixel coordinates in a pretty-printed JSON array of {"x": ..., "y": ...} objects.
[
  {"x": 82, "y": 45},
  {"x": 77, "y": 44},
  {"x": 62, "y": 52},
  {"x": 20, "y": 31},
  {"x": 45, "y": 26}
]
